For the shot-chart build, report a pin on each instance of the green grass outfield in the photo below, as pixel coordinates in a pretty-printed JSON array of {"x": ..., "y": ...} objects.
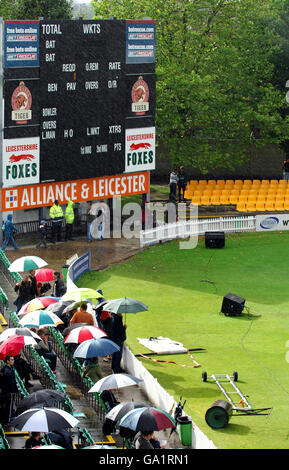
[{"x": 184, "y": 290}]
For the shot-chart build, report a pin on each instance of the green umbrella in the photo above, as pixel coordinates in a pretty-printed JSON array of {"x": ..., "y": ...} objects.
[
  {"x": 82, "y": 294},
  {"x": 25, "y": 263},
  {"x": 125, "y": 305}
]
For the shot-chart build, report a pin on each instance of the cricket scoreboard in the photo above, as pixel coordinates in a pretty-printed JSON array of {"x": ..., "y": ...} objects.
[{"x": 79, "y": 101}]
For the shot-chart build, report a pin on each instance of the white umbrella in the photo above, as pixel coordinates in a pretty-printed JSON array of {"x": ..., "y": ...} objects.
[
  {"x": 25, "y": 263},
  {"x": 18, "y": 331},
  {"x": 114, "y": 381},
  {"x": 44, "y": 420},
  {"x": 84, "y": 333},
  {"x": 50, "y": 446},
  {"x": 39, "y": 319}
]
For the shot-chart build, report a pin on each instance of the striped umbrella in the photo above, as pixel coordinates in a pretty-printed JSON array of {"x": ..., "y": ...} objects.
[
  {"x": 13, "y": 345},
  {"x": 37, "y": 304},
  {"x": 83, "y": 333},
  {"x": 39, "y": 319},
  {"x": 26, "y": 263},
  {"x": 114, "y": 381},
  {"x": 44, "y": 420},
  {"x": 146, "y": 419}
]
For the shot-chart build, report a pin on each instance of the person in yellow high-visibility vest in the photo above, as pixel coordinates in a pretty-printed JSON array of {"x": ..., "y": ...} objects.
[
  {"x": 56, "y": 215},
  {"x": 69, "y": 219}
]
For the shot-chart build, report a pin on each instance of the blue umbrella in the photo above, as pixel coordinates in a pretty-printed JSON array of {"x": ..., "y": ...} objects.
[{"x": 96, "y": 347}]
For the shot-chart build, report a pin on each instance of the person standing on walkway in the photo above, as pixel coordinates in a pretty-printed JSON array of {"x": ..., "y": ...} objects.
[
  {"x": 59, "y": 288},
  {"x": 25, "y": 292},
  {"x": 69, "y": 219},
  {"x": 182, "y": 183},
  {"x": 56, "y": 215},
  {"x": 286, "y": 169},
  {"x": 42, "y": 234},
  {"x": 118, "y": 335},
  {"x": 90, "y": 218},
  {"x": 173, "y": 184},
  {"x": 9, "y": 229},
  {"x": 33, "y": 280},
  {"x": 44, "y": 348}
]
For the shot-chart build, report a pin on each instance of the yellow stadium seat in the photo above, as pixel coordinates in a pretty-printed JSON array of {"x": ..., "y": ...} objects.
[
  {"x": 270, "y": 206},
  {"x": 239, "y": 182},
  {"x": 215, "y": 200},
  {"x": 233, "y": 199},
  {"x": 230, "y": 182},
  {"x": 220, "y": 183},
  {"x": 279, "y": 205},
  {"x": 252, "y": 197},
  {"x": 244, "y": 192},
  {"x": 247, "y": 182},
  {"x": 274, "y": 182},
  {"x": 251, "y": 206},
  {"x": 260, "y": 206},
  {"x": 256, "y": 182},
  {"x": 265, "y": 182},
  {"x": 198, "y": 192},
  {"x": 241, "y": 207},
  {"x": 242, "y": 198},
  {"x": 196, "y": 200},
  {"x": 212, "y": 182},
  {"x": 216, "y": 192},
  {"x": 205, "y": 200},
  {"x": 188, "y": 194},
  {"x": 282, "y": 183},
  {"x": 193, "y": 183},
  {"x": 270, "y": 197},
  {"x": 207, "y": 192},
  {"x": 286, "y": 205},
  {"x": 224, "y": 199}
]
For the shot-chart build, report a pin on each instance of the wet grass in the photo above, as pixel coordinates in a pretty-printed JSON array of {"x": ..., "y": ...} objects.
[{"x": 184, "y": 290}]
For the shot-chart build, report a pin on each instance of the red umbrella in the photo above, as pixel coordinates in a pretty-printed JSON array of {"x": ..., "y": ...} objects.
[
  {"x": 83, "y": 333},
  {"x": 44, "y": 275},
  {"x": 13, "y": 345}
]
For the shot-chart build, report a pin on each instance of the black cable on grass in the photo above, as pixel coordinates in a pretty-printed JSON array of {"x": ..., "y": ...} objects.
[{"x": 207, "y": 280}]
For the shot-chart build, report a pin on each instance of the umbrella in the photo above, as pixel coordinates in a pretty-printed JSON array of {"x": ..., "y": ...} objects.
[
  {"x": 73, "y": 305},
  {"x": 72, "y": 327},
  {"x": 45, "y": 275},
  {"x": 39, "y": 399},
  {"x": 125, "y": 305},
  {"x": 18, "y": 331},
  {"x": 146, "y": 419},
  {"x": 96, "y": 347},
  {"x": 25, "y": 263},
  {"x": 14, "y": 344},
  {"x": 43, "y": 420},
  {"x": 98, "y": 446},
  {"x": 37, "y": 304},
  {"x": 40, "y": 318},
  {"x": 118, "y": 411},
  {"x": 59, "y": 307},
  {"x": 81, "y": 294},
  {"x": 50, "y": 446},
  {"x": 83, "y": 333},
  {"x": 101, "y": 305},
  {"x": 114, "y": 381}
]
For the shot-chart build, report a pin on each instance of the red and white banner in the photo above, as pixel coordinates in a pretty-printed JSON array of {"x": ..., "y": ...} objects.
[
  {"x": 20, "y": 162},
  {"x": 140, "y": 149},
  {"x": 41, "y": 195}
]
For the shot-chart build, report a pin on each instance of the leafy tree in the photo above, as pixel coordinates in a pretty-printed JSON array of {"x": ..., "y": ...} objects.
[
  {"x": 49, "y": 9},
  {"x": 215, "y": 99},
  {"x": 8, "y": 9}
]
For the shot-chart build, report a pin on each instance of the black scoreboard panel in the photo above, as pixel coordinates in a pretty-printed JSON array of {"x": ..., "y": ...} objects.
[{"x": 84, "y": 91}]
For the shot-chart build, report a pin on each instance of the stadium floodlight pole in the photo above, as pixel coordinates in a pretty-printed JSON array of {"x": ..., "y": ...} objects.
[{"x": 1, "y": 122}]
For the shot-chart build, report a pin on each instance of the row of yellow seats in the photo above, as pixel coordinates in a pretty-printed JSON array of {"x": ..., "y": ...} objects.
[
  {"x": 220, "y": 183},
  {"x": 235, "y": 199},
  {"x": 262, "y": 206}
]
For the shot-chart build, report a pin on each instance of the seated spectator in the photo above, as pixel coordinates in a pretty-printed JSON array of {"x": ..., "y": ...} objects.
[
  {"x": 44, "y": 348},
  {"x": 8, "y": 389},
  {"x": 25, "y": 292},
  {"x": 24, "y": 370},
  {"x": 61, "y": 438},
  {"x": 146, "y": 440},
  {"x": 34, "y": 440},
  {"x": 109, "y": 399},
  {"x": 82, "y": 316},
  {"x": 92, "y": 370}
]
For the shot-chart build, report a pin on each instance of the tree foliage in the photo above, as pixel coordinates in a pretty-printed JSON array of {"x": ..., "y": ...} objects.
[
  {"x": 49, "y": 9},
  {"x": 215, "y": 95}
]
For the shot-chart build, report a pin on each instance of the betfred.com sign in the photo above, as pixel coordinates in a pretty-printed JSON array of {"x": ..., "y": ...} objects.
[
  {"x": 20, "y": 163},
  {"x": 140, "y": 149},
  {"x": 43, "y": 195}
]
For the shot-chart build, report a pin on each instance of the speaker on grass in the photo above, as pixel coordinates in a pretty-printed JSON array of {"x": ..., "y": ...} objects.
[
  {"x": 232, "y": 305},
  {"x": 214, "y": 239}
]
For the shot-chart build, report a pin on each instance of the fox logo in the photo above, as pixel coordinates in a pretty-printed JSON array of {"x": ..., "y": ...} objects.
[
  {"x": 142, "y": 145},
  {"x": 18, "y": 158}
]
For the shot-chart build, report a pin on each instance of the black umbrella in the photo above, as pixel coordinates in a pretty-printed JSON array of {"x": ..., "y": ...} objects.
[
  {"x": 39, "y": 399},
  {"x": 59, "y": 307},
  {"x": 71, "y": 327}
]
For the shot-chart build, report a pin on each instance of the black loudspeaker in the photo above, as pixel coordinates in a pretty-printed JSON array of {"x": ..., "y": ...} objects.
[
  {"x": 215, "y": 239},
  {"x": 232, "y": 305}
]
